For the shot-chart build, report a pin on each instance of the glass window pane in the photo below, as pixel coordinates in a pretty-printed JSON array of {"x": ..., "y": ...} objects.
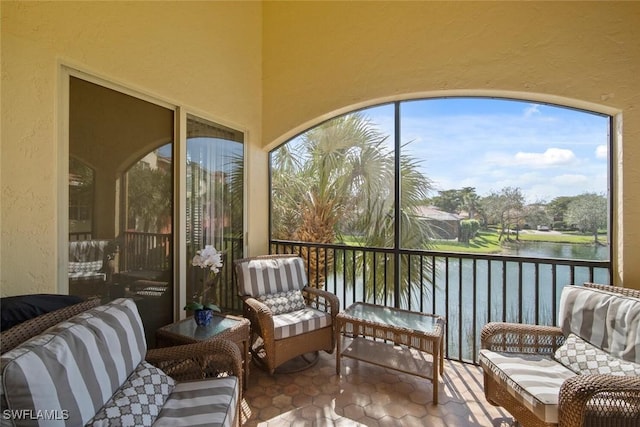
[
  {"x": 506, "y": 176},
  {"x": 120, "y": 200},
  {"x": 335, "y": 182},
  {"x": 214, "y": 206}
]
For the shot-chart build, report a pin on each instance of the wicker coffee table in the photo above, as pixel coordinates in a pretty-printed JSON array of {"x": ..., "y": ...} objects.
[
  {"x": 402, "y": 340},
  {"x": 232, "y": 328}
]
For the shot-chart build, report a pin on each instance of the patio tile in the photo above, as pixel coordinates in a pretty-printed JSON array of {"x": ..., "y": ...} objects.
[{"x": 368, "y": 395}]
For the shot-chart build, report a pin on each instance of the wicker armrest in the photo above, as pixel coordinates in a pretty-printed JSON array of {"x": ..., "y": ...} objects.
[
  {"x": 521, "y": 338},
  {"x": 323, "y": 300},
  {"x": 199, "y": 360},
  {"x": 258, "y": 311},
  {"x": 613, "y": 400}
]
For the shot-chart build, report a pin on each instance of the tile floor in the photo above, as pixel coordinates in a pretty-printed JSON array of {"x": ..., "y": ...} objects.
[{"x": 367, "y": 395}]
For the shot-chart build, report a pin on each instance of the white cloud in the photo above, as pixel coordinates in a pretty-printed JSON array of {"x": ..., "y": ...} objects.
[
  {"x": 571, "y": 180},
  {"x": 531, "y": 110},
  {"x": 602, "y": 152},
  {"x": 551, "y": 157}
]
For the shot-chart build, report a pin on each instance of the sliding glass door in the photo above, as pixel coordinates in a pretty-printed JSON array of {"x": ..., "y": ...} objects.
[
  {"x": 214, "y": 210},
  {"x": 122, "y": 203}
]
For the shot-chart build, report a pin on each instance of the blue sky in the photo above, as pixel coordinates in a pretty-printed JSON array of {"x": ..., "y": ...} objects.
[{"x": 489, "y": 144}]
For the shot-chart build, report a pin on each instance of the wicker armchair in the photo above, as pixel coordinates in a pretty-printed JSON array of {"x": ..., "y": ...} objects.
[
  {"x": 288, "y": 317},
  {"x": 582, "y": 399}
]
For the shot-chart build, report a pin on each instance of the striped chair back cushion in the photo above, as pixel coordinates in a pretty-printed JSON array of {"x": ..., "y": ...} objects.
[
  {"x": 73, "y": 368},
  {"x": 270, "y": 274},
  {"x": 609, "y": 321}
]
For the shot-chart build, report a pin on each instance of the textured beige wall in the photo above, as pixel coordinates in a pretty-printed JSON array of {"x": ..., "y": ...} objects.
[
  {"x": 321, "y": 58},
  {"x": 277, "y": 67},
  {"x": 202, "y": 55}
]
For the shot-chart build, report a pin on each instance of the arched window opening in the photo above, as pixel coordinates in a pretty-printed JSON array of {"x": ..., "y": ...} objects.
[{"x": 485, "y": 202}]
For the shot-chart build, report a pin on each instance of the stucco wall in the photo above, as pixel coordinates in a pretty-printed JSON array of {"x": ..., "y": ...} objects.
[
  {"x": 205, "y": 56},
  {"x": 322, "y": 58},
  {"x": 275, "y": 68}
]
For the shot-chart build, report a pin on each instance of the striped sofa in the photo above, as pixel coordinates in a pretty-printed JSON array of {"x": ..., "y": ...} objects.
[
  {"x": 584, "y": 372},
  {"x": 94, "y": 369}
]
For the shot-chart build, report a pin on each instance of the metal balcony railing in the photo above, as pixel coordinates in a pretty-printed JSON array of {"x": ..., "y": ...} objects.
[{"x": 468, "y": 290}]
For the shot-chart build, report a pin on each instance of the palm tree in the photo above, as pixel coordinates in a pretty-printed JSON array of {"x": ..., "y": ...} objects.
[{"x": 336, "y": 183}]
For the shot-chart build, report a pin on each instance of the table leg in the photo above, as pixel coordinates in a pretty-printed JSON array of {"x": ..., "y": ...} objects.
[
  {"x": 441, "y": 356},
  {"x": 246, "y": 357},
  {"x": 338, "y": 341},
  {"x": 436, "y": 369}
]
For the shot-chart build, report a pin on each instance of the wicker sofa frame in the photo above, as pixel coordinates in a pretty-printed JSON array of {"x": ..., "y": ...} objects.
[
  {"x": 271, "y": 352},
  {"x": 18, "y": 334},
  {"x": 584, "y": 400},
  {"x": 187, "y": 362}
]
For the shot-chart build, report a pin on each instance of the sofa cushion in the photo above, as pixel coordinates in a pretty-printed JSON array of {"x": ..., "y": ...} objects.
[
  {"x": 77, "y": 365},
  {"x": 609, "y": 321},
  {"x": 283, "y": 302},
  {"x": 533, "y": 380},
  {"x": 211, "y": 402},
  {"x": 270, "y": 275},
  {"x": 139, "y": 401},
  {"x": 300, "y": 321},
  {"x": 85, "y": 267},
  {"x": 89, "y": 250},
  {"x": 584, "y": 358}
]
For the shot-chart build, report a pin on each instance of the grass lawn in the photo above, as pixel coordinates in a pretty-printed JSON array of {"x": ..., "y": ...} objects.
[{"x": 486, "y": 241}]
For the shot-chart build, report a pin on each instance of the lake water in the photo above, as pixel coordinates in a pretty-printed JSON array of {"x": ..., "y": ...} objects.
[
  {"x": 559, "y": 250},
  {"x": 465, "y": 296}
]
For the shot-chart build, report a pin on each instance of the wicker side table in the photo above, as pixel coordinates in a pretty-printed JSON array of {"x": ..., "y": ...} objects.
[{"x": 232, "y": 328}]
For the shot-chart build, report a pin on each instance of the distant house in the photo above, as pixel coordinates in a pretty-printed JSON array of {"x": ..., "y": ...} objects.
[{"x": 444, "y": 225}]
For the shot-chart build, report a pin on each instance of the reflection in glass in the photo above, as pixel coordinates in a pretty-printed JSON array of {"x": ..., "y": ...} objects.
[
  {"x": 81, "y": 179},
  {"x": 214, "y": 203},
  {"x": 120, "y": 200}
]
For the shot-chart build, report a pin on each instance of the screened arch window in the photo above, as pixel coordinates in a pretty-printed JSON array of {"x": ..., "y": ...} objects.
[
  {"x": 471, "y": 175},
  {"x": 475, "y": 209}
]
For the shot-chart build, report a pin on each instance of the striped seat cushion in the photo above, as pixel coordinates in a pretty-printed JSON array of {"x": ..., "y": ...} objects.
[
  {"x": 533, "y": 380},
  {"x": 87, "y": 275},
  {"x": 609, "y": 321},
  {"x": 211, "y": 402},
  {"x": 77, "y": 365},
  {"x": 298, "y": 322},
  {"x": 270, "y": 275}
]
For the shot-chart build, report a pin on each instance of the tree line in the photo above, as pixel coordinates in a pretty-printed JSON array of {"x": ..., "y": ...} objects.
[{"x": 506, "y": 209}]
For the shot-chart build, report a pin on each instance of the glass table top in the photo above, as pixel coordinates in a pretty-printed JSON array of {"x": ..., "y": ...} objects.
[
  {"x": 188, "y": 327},
  {"x": 395, "y": 318}
]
